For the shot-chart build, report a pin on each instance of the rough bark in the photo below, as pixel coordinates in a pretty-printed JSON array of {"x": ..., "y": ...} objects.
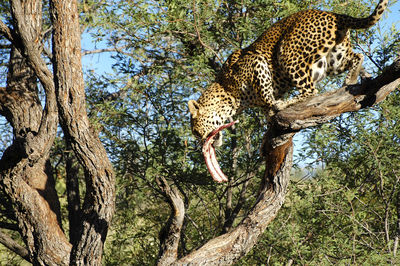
[
  {"x": 277, "y": 149},
  {"x": 25, "y": 176},
  {"x": 26, "y": 181},
  {"x": 170, "y": 234},
  {"x": 98, "y": 206}
]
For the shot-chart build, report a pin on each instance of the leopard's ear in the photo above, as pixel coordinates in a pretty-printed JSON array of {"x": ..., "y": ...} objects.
[{"x": 194, "y": 108}]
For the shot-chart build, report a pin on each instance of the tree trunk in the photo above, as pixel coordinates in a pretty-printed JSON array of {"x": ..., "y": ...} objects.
[
  {"x": 98, "y": 206},
  {"x": 26, "y": 180},
  {"x": 25, "y": 176}
]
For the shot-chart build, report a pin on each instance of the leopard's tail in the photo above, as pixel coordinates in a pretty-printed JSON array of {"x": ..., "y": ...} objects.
[{"x": 363, "y": 23}]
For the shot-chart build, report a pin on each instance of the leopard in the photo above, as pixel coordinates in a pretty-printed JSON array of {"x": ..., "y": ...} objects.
[{"x": 290, "y": 57}]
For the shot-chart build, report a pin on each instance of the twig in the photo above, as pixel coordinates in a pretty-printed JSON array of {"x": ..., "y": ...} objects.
[
  {"x": 14, "y": 246},
  {"x": 368, "y": 55},
  {"x": 199, "y": 36},
  {"x": 97, "y": 51}
]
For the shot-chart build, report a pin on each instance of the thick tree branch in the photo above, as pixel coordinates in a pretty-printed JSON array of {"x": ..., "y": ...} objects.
[
  {"x": 25, "y": 176},
  {"x": 171, "y": 233},
  {"x": 28, "y": 44},
  {"x": 229, "y": 247},
  {"x": 99, "y": 203}
]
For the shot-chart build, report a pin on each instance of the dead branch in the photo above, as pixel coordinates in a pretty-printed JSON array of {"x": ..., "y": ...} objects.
[
  {"x": 104, "y": 50},
  {"x": 171, "y": 233}
]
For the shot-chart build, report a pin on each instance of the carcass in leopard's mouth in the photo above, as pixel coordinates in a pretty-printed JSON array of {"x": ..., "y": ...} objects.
[{"x": 209, "y": 154}]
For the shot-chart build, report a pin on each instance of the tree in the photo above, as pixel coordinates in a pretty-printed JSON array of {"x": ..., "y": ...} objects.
[
  {"x": 346, "y": 212},
  {"x": 30, "y": 203},
  {"x": 230, "y": 246}
]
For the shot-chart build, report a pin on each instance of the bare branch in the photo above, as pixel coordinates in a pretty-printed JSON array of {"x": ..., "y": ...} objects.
[
  {"x": 6, "y": 32},
  {"x": 14, "y": 246},
  {"x": 171, "y": 233},
  {"x": 116, "y": 49}
]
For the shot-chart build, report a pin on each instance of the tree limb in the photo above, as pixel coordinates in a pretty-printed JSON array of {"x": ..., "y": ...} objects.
[
  {"x": 230, "y": 247},
  {"x": 6, "y": 32},
  {"x": 25, "y": 176},
  {"x": 171, "y": 233},
  {"x": 99, "y": 203},
  {"x": 9, "y": 243},
  {"x": 28, "y": 46},
  {"x": 98, "y": 51}
]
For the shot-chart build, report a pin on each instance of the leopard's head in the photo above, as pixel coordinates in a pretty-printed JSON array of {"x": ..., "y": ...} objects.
[{"x": 204, "y": 120}]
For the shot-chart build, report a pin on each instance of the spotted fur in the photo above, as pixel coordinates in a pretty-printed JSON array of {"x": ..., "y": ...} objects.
[{"x": 297, "y": 51}]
